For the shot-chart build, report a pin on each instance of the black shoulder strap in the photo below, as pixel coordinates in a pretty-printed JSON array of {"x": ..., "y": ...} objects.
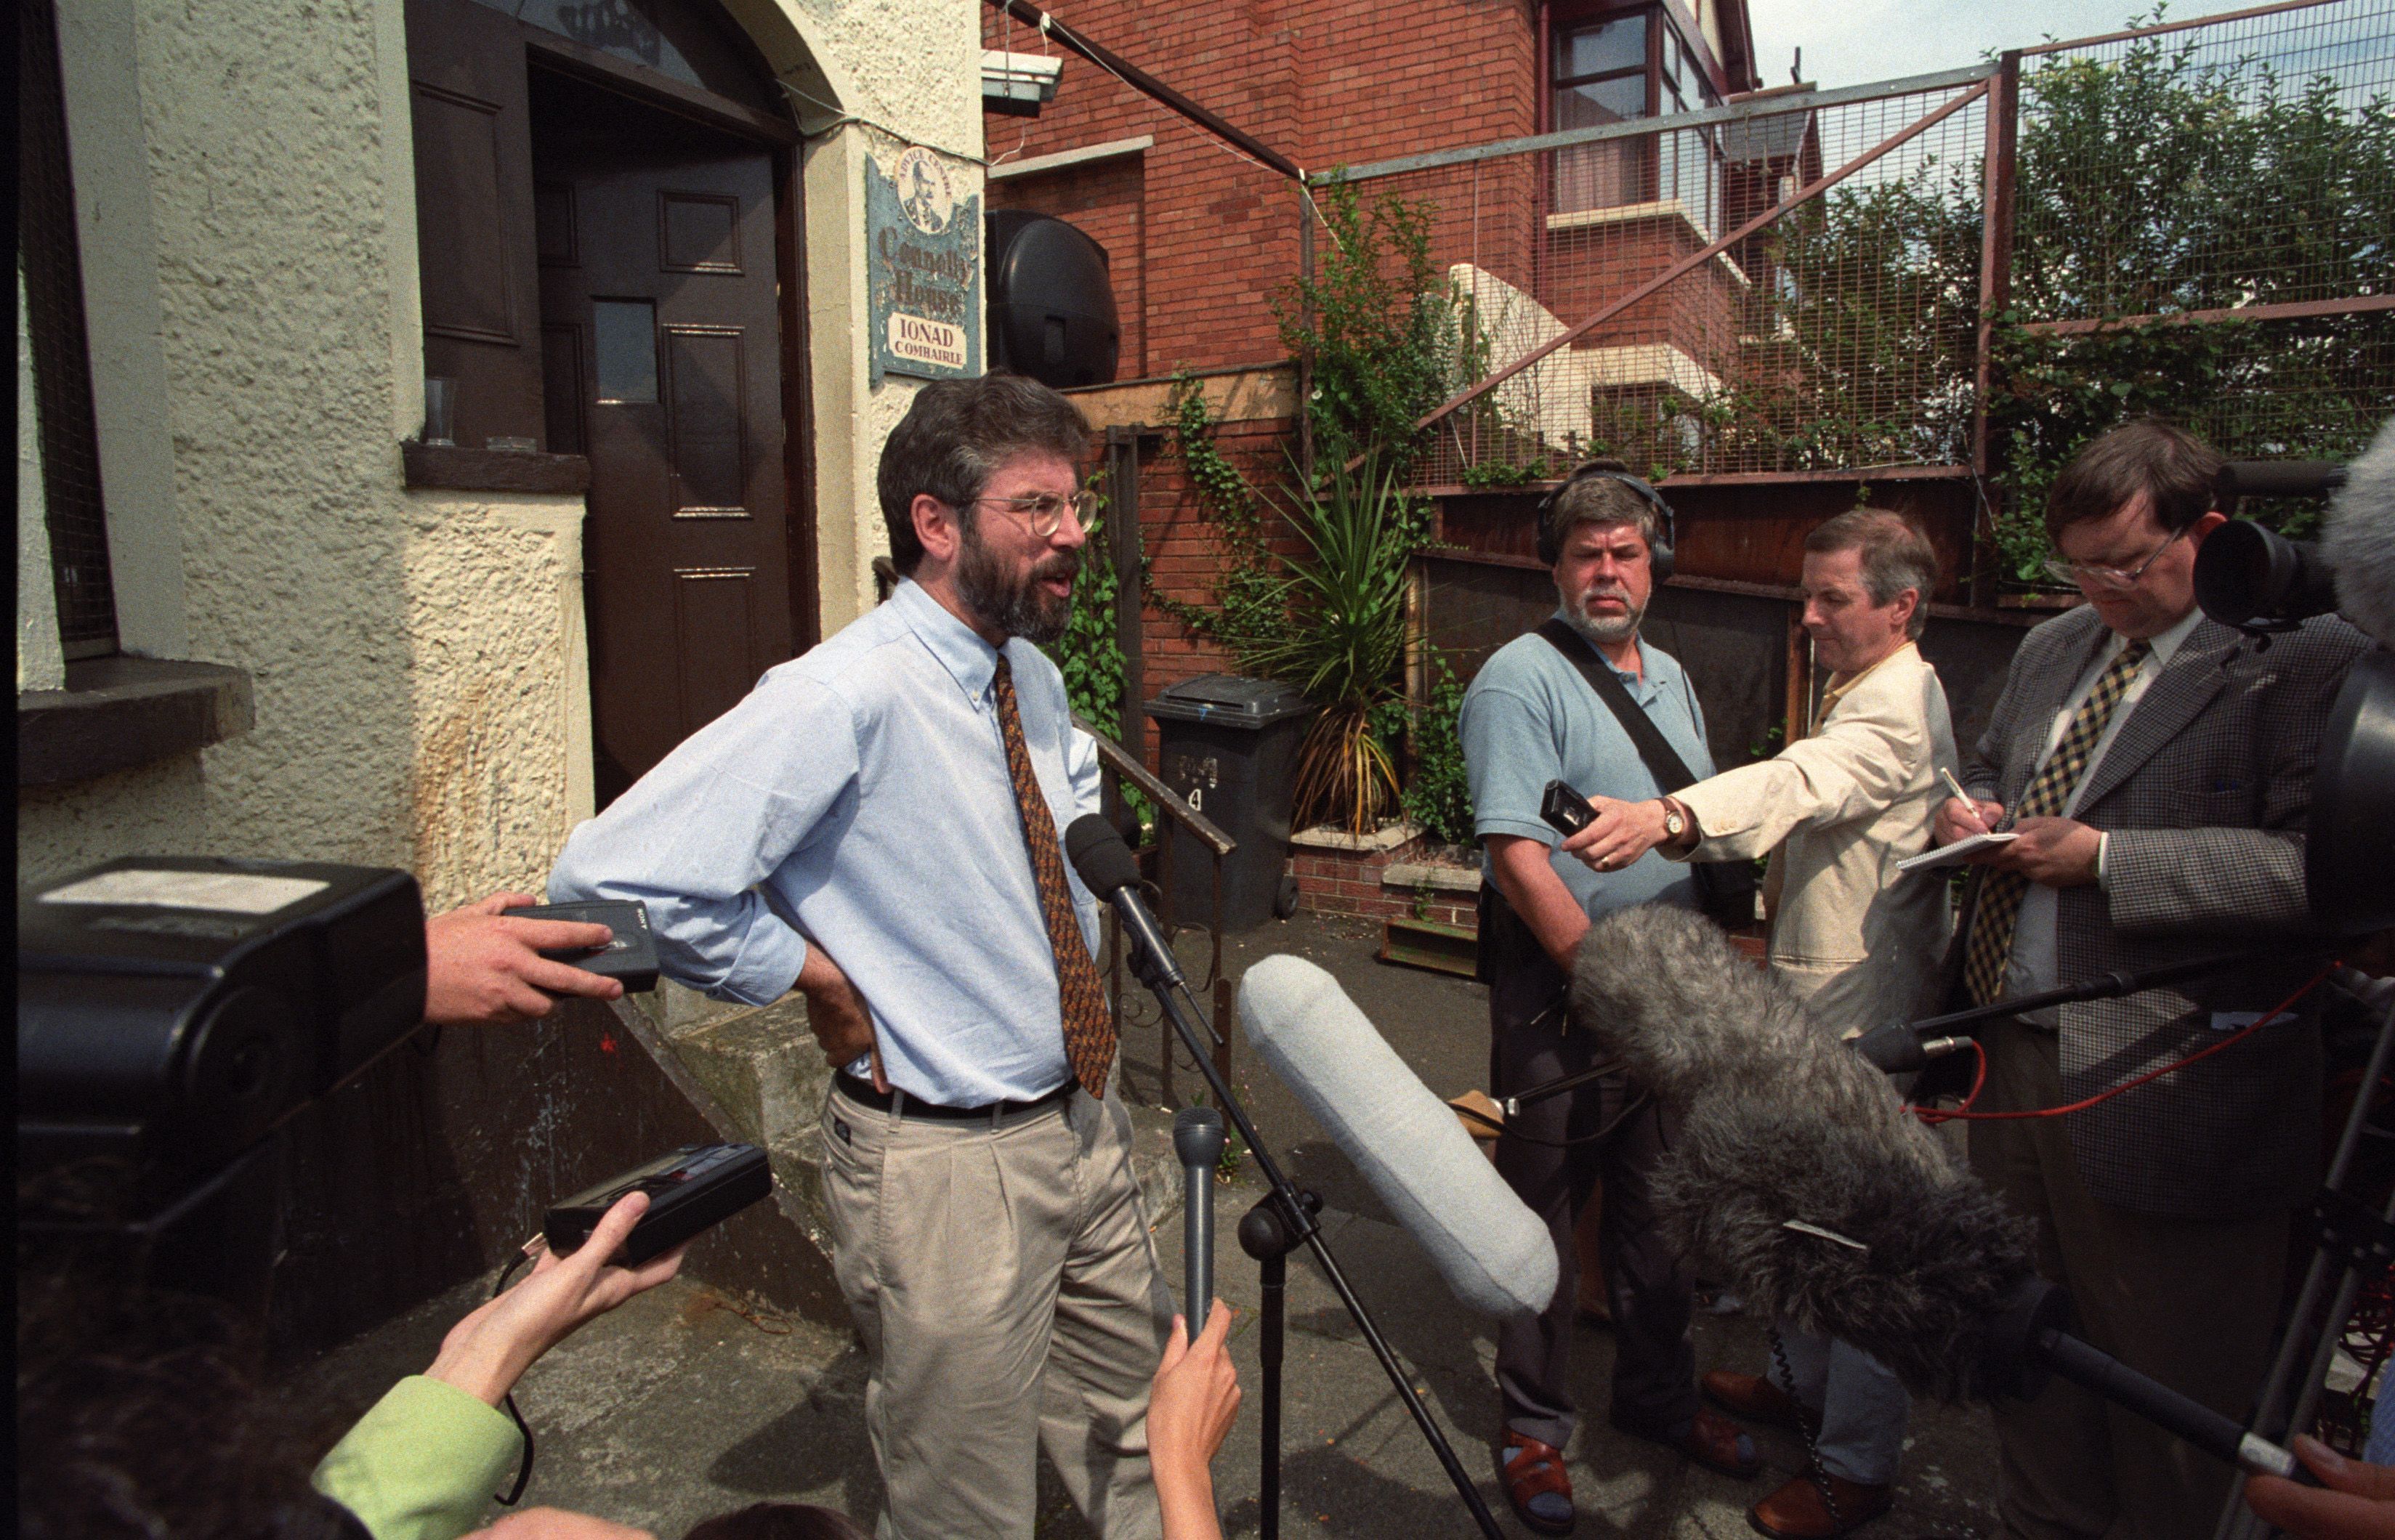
[{"x": 1663, "y": 762}]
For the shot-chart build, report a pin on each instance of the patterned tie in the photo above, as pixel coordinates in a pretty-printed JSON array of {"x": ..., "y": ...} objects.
[
  {"x": 1089, "y": 1031},
  {"x": 2049, "y": 793}
]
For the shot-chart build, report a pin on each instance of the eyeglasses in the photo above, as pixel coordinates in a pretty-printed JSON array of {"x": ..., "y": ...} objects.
[
  {"x": 2108, "y": 578},
  {"x": 1047, "y": 510}
]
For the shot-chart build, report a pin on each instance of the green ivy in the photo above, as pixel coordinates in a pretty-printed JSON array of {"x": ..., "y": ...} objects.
[
  {"x": 1250, "y": 612},
  {"x": 1087, "y": 654},
  {"x": 1439, "y": 796},
  {"x": 1381, "y": 332}
]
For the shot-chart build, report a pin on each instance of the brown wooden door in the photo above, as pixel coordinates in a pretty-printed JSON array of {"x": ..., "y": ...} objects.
[{"x": 661, "y": 355}]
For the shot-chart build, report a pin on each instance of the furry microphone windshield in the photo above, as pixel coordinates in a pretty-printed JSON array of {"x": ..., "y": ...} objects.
[{"x": 1796, "y": 1177}]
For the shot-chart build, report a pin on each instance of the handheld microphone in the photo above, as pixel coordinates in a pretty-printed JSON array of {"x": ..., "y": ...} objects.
[
  {"x": 1198, "y": 1139},
  {"x": 1106, "y": 866},
  {"x": 1493, "y": 1252}
]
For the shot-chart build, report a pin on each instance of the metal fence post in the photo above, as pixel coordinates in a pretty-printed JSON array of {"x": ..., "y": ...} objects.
[{"x": 1998, "y": 180}]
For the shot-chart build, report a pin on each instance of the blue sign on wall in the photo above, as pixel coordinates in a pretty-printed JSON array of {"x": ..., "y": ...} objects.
[{"x": 924, "y": 259}]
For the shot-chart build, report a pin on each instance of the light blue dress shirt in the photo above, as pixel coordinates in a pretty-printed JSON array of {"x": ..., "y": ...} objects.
[
  {"x": 859, "y": 799},
  {"x": 1529, "y": 717}
]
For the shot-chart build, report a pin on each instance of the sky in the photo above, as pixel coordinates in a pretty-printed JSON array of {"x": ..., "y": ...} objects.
[{"x": 1851, "y": 42}]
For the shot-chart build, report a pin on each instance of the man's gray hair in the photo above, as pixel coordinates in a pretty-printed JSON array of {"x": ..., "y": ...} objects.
[
  {"x": 1601, "y": 500},
  {"x": 1895, "y": 556}
]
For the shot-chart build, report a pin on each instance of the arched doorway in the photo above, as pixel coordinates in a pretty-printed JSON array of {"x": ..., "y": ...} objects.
[{"x": 609, "y": 214}]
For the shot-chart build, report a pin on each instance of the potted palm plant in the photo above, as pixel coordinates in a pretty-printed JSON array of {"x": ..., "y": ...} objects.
[{"x": 1344, "y": 645}]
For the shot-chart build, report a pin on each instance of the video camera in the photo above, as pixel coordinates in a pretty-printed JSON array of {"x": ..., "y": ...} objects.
[{"x": 2262, "y": 583}]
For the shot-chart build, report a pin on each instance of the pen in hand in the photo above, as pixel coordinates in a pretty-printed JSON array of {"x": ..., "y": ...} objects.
[{"x": 1970, "y": 806}]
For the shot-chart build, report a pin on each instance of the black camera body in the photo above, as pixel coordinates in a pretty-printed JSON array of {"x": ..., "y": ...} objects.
[{"x": 172, "y": 1011}]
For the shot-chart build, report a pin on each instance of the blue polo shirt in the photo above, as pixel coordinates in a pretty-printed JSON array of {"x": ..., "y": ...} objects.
[{"x": 1529, "y": 717}]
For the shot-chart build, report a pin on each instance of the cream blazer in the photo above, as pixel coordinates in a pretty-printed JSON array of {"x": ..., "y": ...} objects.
[{"x": 1837, "y": 811}]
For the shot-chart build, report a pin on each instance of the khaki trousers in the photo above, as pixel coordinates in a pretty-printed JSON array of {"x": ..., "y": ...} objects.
[
  {"x": 1005, "y": 1286},
  {"x": 2190, "y": 1302}
]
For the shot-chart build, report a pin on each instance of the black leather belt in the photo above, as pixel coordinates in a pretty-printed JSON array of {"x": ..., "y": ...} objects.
[{"x": 864, "y": 1095}]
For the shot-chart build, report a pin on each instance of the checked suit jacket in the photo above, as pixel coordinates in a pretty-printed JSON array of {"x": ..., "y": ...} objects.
[{"x": 2204, "y": 793}]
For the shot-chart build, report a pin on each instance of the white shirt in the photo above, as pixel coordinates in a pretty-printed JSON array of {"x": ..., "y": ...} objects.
[{"x": 2032, "y": 967}]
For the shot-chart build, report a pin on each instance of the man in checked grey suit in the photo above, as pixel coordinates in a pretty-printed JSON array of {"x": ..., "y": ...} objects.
[{"x": 2157, "y": 768}]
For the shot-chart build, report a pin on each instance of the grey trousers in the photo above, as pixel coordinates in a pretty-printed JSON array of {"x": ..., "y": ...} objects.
[
  {"x": 2190, "y": 1302},
  {"x": 1861, "y": 1405},
  {"x": 1006, "y": 1290},
  {"x": 1648, "y": 1284}
]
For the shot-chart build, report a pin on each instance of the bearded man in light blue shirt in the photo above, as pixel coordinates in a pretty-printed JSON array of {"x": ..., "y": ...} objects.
[{"x": 877, "y": 827}]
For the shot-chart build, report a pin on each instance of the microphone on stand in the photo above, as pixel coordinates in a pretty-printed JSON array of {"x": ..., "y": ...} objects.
[
  {"x": 1198, "y": 1139},
  {"x": 1110, "y": 871}
]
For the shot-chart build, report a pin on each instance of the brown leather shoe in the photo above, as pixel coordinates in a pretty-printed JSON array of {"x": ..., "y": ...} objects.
[
  {"x": 1711, "y": 1439},
  {"x": 1536, "y": 1483},
  {"x": 1801, "y": 1511},
  {"x": 1754, "y": 1398}
]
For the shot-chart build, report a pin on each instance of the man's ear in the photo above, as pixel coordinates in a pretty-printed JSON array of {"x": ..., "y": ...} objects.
[
  {"x": 2205, "y": 525},
  {"x": 936, "y": 528}
]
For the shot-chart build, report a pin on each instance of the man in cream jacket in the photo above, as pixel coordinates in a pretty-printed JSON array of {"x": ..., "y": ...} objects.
[{"x": 1856, "y": 939}]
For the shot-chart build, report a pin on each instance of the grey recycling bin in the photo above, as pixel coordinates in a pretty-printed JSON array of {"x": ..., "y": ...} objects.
[{"x": 1229, "y": 746}]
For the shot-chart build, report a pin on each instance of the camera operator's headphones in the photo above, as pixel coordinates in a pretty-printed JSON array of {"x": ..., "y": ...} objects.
[{"x": 1659, "y": 551}]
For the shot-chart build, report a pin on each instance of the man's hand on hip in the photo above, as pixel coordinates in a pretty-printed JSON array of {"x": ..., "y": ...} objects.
[
  {"x": 2053, "y": 853},
  {"x": 837, "y": 1014}
]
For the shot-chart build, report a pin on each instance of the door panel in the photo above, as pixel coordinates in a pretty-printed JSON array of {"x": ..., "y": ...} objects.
[
  {"x": 466, "y": 67},
  {"x": 658, "y": 282}
]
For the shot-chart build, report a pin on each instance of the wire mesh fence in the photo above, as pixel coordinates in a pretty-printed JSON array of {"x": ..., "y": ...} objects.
[
  {"x": 2203, "y": 226},
  {"x": 1794, "y": 283}
]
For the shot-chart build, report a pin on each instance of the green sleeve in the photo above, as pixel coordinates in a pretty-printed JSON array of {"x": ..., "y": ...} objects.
[{"x": 423, "y": 1464}]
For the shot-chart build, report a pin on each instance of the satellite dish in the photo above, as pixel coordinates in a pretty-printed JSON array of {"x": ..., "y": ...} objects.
[{"x": 1051, "y": 302}]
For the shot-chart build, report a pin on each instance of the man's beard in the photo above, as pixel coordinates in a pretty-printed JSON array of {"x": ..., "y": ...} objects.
[
  {"x": 1609, "y": 630},
  {"x": 1018, "y": 608}
]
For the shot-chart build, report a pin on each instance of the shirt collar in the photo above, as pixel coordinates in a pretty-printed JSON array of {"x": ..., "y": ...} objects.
[
  {"x": 1839, "y": 684},
  {"x": 969, "y": 660},
  {"x": 2167, "y": 643}
]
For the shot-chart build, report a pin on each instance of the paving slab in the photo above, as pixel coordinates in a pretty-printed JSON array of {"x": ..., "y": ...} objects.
[{"x": 689, "y": 1402}]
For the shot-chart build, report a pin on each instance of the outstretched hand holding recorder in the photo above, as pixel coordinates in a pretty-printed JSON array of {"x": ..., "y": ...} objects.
[{"x": 486, "y": 1352}]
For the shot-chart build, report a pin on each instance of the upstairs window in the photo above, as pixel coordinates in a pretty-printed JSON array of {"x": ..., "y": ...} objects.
[{"x": 1628, "y": 65}]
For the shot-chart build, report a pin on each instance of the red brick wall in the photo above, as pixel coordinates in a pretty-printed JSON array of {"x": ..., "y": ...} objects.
[
  {"x": 1341, "y": 81},
  {"x": 1184, "y": 551},
  {"x": 1104, "y": 201}
]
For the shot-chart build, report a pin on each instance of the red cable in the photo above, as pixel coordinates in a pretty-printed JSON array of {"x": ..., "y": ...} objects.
[{"x": 2229, "y": 1042}]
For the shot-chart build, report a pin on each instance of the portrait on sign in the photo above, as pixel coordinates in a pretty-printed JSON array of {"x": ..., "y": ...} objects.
[{"x": 925, "y": 245}]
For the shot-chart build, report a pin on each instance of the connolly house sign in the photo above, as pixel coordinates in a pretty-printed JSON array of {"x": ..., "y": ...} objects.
[{"x": 925, "y": 266}]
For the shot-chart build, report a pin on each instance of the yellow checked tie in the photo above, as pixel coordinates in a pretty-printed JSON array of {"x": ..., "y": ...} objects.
[
  {"x": 2049, "y": 793},
  {"x": 1088, "y": 1032}
]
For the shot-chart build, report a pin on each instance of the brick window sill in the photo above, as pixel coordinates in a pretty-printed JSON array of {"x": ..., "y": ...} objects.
[{"x": 117, "y": 712}]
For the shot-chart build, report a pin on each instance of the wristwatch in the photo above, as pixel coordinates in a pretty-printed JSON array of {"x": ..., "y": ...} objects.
[{"x": 1675, "y": 823}]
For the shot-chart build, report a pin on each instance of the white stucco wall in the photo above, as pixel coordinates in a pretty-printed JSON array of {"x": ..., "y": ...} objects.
[
  {"x": 41, "y": 663},
  {"x": 911, "y": 71},
  {"x": 417, "y": 660}
]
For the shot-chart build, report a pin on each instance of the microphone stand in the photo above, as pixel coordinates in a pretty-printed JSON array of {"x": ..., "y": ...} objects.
[
  {"x": 2359, "y": 1245},
  {"x": 1940, "y": 1031},
  {"x": 1277, "y": 1225}
]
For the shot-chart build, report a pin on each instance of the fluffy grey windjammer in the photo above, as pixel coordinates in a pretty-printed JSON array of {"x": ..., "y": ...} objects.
[
  {"x": 1780, "y": 1121},
  {"x": 2359, "y": 539}
]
